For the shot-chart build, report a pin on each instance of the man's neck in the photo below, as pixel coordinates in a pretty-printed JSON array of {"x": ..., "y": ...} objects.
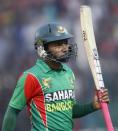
[{"x": 54, "y": 65}]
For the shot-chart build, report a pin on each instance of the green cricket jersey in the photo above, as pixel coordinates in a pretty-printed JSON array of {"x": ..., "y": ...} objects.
[{"x": 48, "y": 95}]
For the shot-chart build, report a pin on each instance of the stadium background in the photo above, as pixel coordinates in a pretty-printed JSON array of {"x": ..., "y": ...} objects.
[{"x": 18, "y": 22}]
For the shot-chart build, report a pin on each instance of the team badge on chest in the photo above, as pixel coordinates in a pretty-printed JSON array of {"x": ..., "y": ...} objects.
[{"x": 46, "y": 82}]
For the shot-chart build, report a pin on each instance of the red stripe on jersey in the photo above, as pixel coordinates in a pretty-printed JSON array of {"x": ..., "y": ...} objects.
[{"x": 33, "y": 91}]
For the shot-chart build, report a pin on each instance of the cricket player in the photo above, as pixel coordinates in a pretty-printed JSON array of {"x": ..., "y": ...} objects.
[{"x": 47, "y": 88}]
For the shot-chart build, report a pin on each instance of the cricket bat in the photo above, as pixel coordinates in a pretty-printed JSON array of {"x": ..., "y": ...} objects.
[{"x": 93, "y": 58}]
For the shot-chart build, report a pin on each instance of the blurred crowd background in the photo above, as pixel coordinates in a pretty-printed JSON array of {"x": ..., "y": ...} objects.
[{"x": 18, "y": 23}]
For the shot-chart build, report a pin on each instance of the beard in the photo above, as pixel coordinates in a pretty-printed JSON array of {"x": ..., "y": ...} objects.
[{"x": 65, "y": 58}]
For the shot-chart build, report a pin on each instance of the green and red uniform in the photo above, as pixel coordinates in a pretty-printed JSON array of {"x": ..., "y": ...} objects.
[{"x": 48, "y": 95}]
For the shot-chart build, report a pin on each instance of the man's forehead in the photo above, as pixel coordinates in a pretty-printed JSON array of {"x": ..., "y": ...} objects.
[{"x": 59, "y": 42}]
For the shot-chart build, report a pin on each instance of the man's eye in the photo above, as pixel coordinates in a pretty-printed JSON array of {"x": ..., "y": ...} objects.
[{"x": 58, "y": 44}]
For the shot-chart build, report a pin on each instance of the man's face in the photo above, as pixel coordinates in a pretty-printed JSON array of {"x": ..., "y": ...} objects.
[{"x": 58, "y": 48}]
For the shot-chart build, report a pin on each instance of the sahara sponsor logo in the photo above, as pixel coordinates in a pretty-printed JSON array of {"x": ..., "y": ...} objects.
[{"x": 59, "y": 101}]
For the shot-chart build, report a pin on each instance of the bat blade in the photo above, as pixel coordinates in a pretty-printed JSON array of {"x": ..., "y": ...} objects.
[
  {"x": 93, "y": 57},
  {"x": 90, "y": 45}
]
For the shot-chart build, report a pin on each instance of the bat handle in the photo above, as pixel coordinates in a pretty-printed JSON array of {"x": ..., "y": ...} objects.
[
  {"x": 107, "y": 117},
  {"x": 106, "y": 113}
]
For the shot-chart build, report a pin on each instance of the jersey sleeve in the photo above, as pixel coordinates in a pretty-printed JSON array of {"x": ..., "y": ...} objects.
[
  {"x": 19, "y": 100},
  {"x": 82, "y": 110}
]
